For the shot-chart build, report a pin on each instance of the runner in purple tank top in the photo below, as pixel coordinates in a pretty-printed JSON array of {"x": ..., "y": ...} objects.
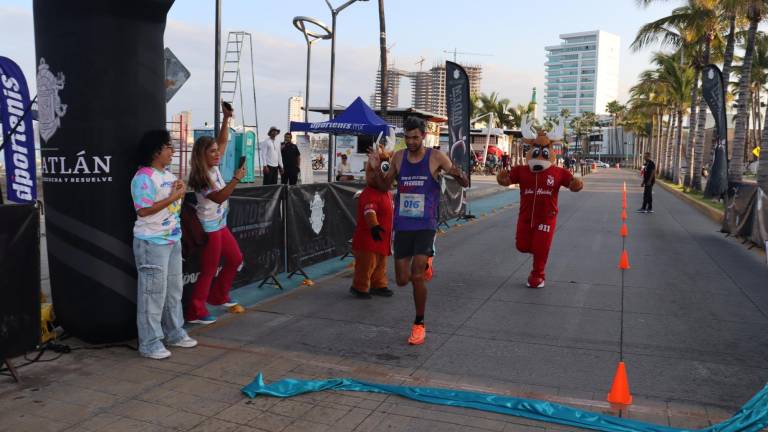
[{"x": 416, "y": 211}]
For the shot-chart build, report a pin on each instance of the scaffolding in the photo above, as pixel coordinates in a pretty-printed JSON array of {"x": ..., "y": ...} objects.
[{"x": 232, "y": 81}]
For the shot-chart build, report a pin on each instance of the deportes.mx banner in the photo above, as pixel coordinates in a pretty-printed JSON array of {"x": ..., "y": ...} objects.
[{"x": 17, "y": 134}]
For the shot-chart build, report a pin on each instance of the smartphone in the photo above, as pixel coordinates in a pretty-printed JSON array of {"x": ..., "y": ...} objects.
[
  {"x": 227, "y": 105},
  {"x": 242, "y": 162}
]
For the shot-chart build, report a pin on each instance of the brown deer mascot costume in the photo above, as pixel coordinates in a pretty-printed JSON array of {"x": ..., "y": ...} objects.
[
  {"x": 540, "y": 181},
  {"x": 373, "y": 233}
]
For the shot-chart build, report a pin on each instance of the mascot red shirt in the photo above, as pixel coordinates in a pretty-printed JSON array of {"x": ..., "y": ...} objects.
[
  {"x": 540, "y": 182},
  {"x": 373, "y": 234}
]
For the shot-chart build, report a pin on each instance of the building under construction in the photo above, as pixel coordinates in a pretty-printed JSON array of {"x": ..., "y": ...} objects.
[{"x": 427, "y": 87}]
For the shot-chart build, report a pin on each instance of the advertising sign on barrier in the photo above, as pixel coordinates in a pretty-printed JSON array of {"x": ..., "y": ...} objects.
[
  {"x": 256, "y": 220},
  {"x": 739, "y": 206},
  {"x": 19, "y": 290},
  {"x": 321, "y": 220},
  {"x": 453, "y": 203}
]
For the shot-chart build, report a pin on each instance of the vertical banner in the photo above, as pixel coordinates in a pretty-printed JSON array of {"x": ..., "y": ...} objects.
[
  {"x": 101, "y": 85},
  {"x": 18, "y": 138},
  {"x": 457, "y": 103},
  {"x": 714, "y": 93},
  {"x": 19, "y": 290}
]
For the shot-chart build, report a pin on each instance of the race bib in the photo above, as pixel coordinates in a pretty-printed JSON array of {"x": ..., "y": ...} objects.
[{"x": 412, "y": 205}]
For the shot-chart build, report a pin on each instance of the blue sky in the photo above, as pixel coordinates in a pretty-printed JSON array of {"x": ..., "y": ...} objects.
[{"x": 514, "y": 32}]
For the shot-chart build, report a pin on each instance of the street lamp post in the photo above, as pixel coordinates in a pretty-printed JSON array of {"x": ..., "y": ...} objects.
[
  {"x": 332, "y": 138},
  {"x": 216, "y": 71},
  {"x": 311, "y": 37}
]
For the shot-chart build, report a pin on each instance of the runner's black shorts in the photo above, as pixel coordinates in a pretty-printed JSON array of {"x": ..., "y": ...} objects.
[{"x": 411, "y": 243}]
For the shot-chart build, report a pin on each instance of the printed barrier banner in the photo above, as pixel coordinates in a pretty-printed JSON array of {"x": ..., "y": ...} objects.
[
  {"x": 321, "y": 220},
  {"x": 19, "y": 290},
  {"x": 453, "y": 203},
  {"x": 739, "y": 205},
  {"x": 18, "y": 137},
  {"x": 100, "y": 86},
  {"x": 256, "y": 220}
]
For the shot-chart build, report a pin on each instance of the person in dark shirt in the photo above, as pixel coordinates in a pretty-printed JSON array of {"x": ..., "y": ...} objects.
[
  {"x": 291, "y": 160},
  {"x": 649, "y": 179}
]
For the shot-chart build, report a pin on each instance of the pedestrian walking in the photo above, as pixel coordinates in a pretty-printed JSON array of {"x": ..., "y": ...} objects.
[
  {"x": 212, "y": 194},
  {"x": 505, "y": 160},
  {"x": 649, "y": 179},
  {"x": 157, "y": 196},
  {"x": 416, "y": 213},
  {"x": 291, "y": 156},
  {"x": 271, "y": 157}
]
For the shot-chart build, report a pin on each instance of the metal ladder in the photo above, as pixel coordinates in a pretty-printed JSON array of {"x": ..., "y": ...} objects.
[{"x": 231, "y": 79}]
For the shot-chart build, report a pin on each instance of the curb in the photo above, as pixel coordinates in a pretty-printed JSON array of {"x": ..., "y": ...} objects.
[{"x": 714, "y": 214}]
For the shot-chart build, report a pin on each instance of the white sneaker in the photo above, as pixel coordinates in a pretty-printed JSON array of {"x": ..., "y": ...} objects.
[
  {"x": 230, "y": 304},
  {"x": 205, "y": 320},
  {"x": 157, "y": 355},
  {"x": 187, "y": 342}
]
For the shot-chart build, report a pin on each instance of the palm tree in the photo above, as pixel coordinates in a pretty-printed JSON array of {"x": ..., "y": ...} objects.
[
  {"x": 616, "y": 110},
  {"x": 678, "y": 81},
  {"x": 756, "y": 10}
]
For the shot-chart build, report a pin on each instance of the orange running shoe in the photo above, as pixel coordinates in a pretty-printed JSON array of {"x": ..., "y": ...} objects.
[
  {"x": 428, "y": 272},
  {"x": 418, "y": 334}
]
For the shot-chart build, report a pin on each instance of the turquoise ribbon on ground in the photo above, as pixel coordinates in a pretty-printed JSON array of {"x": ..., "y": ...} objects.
[{"x": 752, "y": 417}]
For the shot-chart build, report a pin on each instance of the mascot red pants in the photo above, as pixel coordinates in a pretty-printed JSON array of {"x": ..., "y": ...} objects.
[{"x": 540, "y": 182}]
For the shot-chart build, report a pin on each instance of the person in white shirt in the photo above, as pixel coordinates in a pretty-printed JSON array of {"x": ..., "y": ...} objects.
[
  {"x": 344, "y": 171},
  {"x": 212, "y": 194},
  {"x": 271, "y": 157}
]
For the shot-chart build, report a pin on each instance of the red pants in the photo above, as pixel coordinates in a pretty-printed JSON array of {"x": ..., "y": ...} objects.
[
  {"x": 535, "y": 238},
  {"x": 220, "y": 244}
]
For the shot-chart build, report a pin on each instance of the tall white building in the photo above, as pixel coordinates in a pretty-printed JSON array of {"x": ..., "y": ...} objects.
[
  {"x": 295, "y": 109},
  {"x": 582, "y": 73}
]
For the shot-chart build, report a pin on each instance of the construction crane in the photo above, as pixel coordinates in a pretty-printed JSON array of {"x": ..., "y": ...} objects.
[
  {"x": 420, "y": 62},
  {"x": 455, "y": 52}
]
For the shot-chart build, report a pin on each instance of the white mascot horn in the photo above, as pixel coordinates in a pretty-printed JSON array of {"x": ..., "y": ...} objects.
[
  {"x": 558, "y": 131},
  {"x": 526, "y": 127}
]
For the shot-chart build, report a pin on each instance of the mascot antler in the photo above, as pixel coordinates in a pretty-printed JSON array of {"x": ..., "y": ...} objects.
[
  {"x": 526, "y": 128},
  {"x": 559, "y": 130}
]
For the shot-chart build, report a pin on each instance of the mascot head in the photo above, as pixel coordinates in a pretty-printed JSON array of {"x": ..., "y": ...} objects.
[
  {"x": 541, "y": 154},
  {"x": 375, "y": 176}
]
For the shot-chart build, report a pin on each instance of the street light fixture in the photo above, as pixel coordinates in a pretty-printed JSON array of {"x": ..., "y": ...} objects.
[
  {"x": 300, "y": 22},
  {"x": 332, "y": 138}
]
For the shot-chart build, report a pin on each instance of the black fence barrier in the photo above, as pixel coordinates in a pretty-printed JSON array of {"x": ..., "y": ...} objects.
[
  {"x": 257, "y": 220},
  {"x": 453, "y": 203},
  {"x": 19, "y": 279},
  {"x": 321, "y": 220},
  {"x": 739, "y": 206},
  {"x": 746, "y": 213}
]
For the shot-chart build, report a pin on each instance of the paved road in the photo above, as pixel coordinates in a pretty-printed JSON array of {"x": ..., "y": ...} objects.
[{"x": 695, "y": 333}]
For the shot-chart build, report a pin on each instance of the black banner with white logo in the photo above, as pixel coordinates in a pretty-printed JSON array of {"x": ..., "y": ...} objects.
[
  {"x": 256, "y": 220},
  {"x": 452, "y": 202},
  {"x": 101, "y": 85},
  {"x": 714, "y": 93},
  {"x": 321, "y": 220},
  {"x": 457, "y": 104},
  {"x": 19, "y": 279}
]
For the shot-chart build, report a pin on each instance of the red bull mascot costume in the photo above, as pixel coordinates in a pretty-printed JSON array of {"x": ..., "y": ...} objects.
[
  {"x": 540, "y": 181},
  {"x": 373, "y": 233}
]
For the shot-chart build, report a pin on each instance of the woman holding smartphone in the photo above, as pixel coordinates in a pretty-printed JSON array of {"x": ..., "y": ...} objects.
[{"x": 212, "y": 208}]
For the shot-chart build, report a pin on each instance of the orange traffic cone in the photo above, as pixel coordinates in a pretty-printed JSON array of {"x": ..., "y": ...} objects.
[
  {"x": 624, "y": 214},
  {"x": 624, "y": 203},
  {"x": 624, "y": 232},
  {"x": 620, "y": 389},
  {"x": 624, "y": 261}
]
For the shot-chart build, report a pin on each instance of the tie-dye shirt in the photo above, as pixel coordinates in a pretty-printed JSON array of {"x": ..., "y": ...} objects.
[
  {"x": 213, "y": 216},
  {"x": 149, "y": 186}
]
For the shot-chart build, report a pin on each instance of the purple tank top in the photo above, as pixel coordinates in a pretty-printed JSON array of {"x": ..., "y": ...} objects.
[{"x": 418, "y": 196}]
